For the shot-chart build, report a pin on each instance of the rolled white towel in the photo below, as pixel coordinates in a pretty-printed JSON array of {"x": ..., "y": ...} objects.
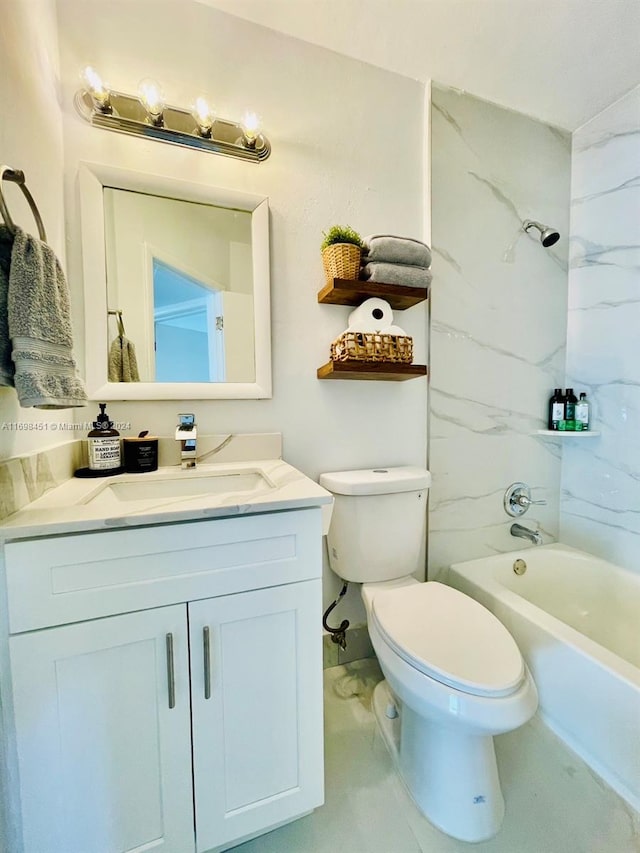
[{"x": 398, "y": 250}]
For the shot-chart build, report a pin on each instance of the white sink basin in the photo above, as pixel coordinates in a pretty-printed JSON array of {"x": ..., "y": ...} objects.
[{"x": 134, "y": 492}]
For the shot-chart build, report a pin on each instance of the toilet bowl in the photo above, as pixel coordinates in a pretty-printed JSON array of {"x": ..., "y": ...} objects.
[
  {"x": 450, "y": 697},
  {"x": 454, "y": 676}
]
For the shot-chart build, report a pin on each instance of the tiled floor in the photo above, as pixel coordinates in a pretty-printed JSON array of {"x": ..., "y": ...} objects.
[{"x": 554, "y": 803}]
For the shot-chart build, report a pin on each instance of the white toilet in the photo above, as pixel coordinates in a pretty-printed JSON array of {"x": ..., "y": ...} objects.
[{"x": 454, "y": 675}]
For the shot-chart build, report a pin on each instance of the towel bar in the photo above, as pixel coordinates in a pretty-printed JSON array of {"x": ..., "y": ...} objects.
[
  {"x": 117, "y": 313},
  {"x": 17, "y": 177}
]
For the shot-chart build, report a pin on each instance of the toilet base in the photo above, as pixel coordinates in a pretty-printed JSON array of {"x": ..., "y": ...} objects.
[{"x": 451, "y": 776}]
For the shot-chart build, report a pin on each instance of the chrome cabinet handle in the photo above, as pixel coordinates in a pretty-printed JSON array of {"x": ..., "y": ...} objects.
[
  {"x": 206, "y": 642},
  {"x": 171, "y": 679}
]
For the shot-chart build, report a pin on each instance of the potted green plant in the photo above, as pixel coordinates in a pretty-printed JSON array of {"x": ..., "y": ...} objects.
[{"x": 341, "y": 250}]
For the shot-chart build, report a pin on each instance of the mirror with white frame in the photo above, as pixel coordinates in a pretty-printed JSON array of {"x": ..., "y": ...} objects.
[{"x": 180, "y": 272}]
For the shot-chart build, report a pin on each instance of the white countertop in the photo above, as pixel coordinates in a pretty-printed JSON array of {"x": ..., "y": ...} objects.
[{"x": 67, "y": 508}]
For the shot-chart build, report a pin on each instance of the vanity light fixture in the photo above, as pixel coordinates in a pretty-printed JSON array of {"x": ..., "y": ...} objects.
[
  {"x": 204, "y": 116},
  {"x": 98, "y": 89},
  {"x": 250, "y": 129},
  {"x": 147, "y": 115},
  {"x": 152, "y": 100}
]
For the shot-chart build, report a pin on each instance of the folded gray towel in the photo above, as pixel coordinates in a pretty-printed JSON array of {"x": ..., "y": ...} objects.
[
  {"x": 123, "y": 364},
  {"x": 40, "y": 328},
  {"x": 396, "y": 250},
  {"x": 7, "y": 367},
  {"x": 397, "y": 274}
]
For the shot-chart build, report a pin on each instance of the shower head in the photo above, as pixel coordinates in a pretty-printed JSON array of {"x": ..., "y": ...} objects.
[{"x": 548, "y": 236}]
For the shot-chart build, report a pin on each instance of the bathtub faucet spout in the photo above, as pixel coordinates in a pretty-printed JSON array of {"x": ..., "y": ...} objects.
[{"x": 525, "y": 533}]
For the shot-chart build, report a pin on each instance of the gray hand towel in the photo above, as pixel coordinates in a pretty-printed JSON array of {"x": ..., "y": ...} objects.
[
  {"x": 7, "y": 368},
  {"x": 396, "y": 250},
  {"x": 397, "y": 274},
  {"x": 123, "y": 364},
  {"x": 40, "y": 328}
]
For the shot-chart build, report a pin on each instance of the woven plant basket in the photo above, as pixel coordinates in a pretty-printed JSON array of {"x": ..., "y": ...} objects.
[
  {"x": 341, "y": 260},
  {"x": 372, "y": 346}
]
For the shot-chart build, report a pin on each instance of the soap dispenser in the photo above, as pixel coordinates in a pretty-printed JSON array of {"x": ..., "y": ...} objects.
[{"x": 104, "y": 444}]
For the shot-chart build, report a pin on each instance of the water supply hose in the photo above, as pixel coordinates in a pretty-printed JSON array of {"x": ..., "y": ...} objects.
[{"x": 338, "y": 635}]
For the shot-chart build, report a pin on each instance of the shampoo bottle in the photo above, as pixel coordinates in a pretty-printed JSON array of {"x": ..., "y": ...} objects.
[
  {"x": 556, "y": 409},
  {"x": 570, "y": 410},
  {"x": 582, "y": 412},
  {"x": 104, "y": 444}
]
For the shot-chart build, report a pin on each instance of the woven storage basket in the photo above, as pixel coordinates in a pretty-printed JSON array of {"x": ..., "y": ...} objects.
[
  {"x": 341, "y": 260},
  {"x": 372, "y": 346}
]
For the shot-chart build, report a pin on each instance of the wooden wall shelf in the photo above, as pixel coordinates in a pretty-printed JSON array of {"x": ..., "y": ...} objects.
[
  {"x": 342, "y": 291},
  {"x": 373, "y": 370}
]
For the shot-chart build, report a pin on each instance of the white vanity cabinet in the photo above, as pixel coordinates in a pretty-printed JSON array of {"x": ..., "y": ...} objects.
[{"x": 128, "y": 717}]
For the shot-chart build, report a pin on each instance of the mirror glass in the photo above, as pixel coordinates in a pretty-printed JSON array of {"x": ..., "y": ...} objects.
[
  {"x": 180, "y": 287},
  {"x": 176, "y": 286}
]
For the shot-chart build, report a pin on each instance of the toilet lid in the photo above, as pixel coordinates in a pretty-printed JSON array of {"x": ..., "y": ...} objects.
[{"x": 450, "y": 637}]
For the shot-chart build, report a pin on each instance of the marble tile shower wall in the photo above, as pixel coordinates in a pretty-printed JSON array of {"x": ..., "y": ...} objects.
[
  {"x": 600, "y": 502},
  {"x": 498, "y": 321}
]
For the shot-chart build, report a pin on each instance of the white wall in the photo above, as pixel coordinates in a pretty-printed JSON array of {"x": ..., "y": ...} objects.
[
  {"x": 600, "y": 508},
  {"x": 498, "y": 322},
  {"x": 31, "y": 140},
  {"x": 348, "y": 147}
]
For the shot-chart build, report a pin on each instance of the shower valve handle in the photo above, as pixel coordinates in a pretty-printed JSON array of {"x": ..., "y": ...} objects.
[
  {"x": 523, "y": 500},
  {"x": 517, "y": 499}
]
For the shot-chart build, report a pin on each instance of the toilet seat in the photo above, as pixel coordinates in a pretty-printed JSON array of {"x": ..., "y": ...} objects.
[{"x": 449, "y": 637}]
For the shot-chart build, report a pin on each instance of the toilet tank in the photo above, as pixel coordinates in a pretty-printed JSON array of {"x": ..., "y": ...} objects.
[{"x": 378, "y": 525}]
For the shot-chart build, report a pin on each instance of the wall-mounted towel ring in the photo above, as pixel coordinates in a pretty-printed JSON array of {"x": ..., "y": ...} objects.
[{"x": 17, "y": 177}]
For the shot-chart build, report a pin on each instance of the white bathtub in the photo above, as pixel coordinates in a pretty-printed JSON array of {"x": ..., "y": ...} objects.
[{"x": 576, "y": 619}]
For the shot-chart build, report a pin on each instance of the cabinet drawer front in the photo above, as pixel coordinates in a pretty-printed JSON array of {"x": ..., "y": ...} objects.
[{"x": 72, "y": 578}]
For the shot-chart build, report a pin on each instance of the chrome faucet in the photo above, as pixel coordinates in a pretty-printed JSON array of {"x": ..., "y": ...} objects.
[
  {"x": 186, "y": 434},
  {"x": 525, "y": 533}
]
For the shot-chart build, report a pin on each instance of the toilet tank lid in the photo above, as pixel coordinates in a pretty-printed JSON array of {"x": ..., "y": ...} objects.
[{"x": 376, "y": 481}]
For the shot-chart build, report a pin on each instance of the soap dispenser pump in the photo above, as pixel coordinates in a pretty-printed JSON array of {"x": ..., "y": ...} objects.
[{"x": 104, "y": 444}]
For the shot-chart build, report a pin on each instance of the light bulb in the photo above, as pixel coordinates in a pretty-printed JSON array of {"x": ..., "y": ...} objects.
[
  {"x": 250, "y": 128},
  {"x": 97, "y": 88},
  {"x": 204, "y": 115},
  {"x": 152, "y": 99}
]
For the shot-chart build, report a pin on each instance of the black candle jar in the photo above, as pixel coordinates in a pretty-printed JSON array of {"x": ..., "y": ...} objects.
[{"x": 140, "y": 454}]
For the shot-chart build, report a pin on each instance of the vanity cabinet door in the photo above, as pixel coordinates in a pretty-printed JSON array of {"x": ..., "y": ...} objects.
[
  {"x": 104, "y": 761},
  {"x": 256, "y": 676}
]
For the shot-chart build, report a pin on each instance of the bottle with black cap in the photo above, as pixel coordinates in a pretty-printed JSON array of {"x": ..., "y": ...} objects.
[
  {"x": 556, "y": 409},
  {"x": 570, "y": 410},
  {"x": 104, "y": 443}
]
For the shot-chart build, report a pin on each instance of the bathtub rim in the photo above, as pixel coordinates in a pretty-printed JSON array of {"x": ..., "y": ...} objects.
[{"x": 560, "y": 630}]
